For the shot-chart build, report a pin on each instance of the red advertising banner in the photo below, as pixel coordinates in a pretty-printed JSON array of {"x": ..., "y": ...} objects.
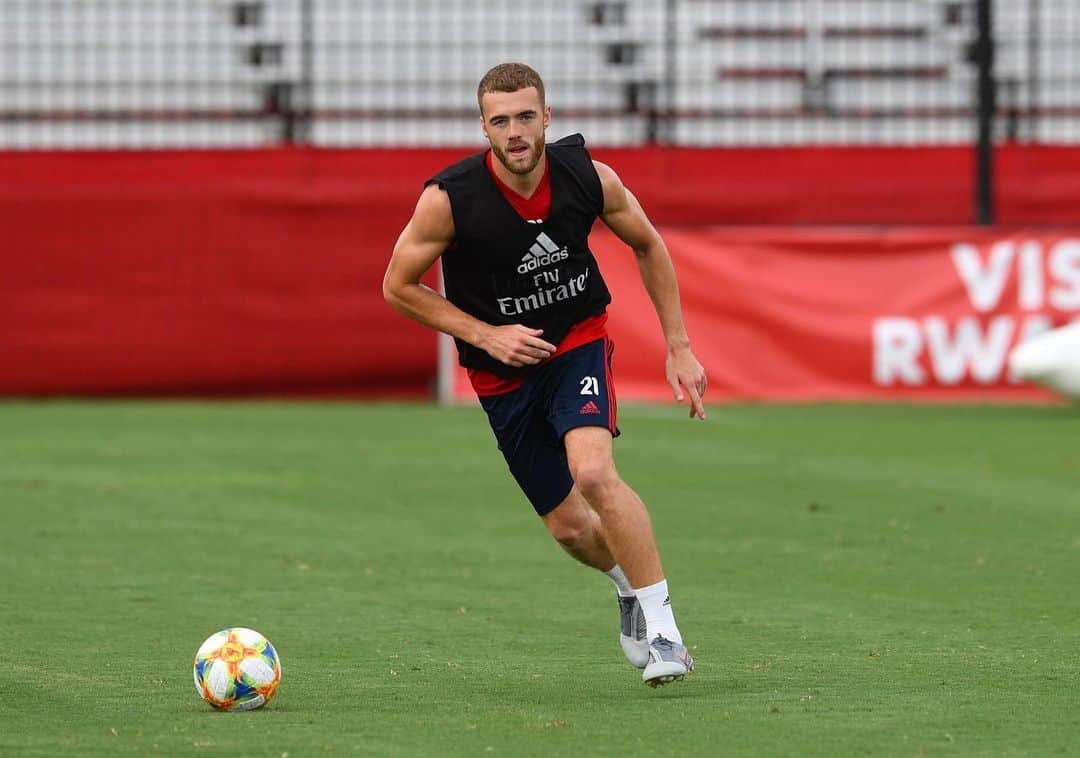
[
  {"x": 807, "y": 314},
  {"x": 831, "y": 314}
]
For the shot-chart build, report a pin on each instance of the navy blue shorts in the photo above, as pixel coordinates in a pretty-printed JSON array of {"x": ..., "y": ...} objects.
[{"x": 575, "y": 389}]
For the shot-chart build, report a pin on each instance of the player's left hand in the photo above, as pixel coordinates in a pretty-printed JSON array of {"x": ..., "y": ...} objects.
[{"x": 684, "y": 370}]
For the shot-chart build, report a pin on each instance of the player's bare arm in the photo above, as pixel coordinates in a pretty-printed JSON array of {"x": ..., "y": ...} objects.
[
  {"x": 427, "y": 235},
  {"x": 626, "y": 218}
]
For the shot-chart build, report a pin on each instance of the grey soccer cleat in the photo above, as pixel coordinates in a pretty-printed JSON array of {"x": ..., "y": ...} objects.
[
  {"x": 668, "y": 662},
  {"x": 632, "y": 632}
]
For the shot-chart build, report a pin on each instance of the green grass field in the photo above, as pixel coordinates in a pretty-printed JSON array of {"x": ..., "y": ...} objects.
[{"x": 853, "y": 580}]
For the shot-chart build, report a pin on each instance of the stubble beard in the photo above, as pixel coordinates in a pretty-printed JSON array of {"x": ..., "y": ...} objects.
[{"x": 521, "y": 169}]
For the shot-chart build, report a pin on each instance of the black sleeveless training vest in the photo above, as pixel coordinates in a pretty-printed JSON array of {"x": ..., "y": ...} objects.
[{"x": 503, "y": 269}]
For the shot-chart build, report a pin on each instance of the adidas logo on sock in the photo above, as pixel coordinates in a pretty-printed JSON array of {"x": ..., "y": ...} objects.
[
  {"x": 667, "y": 600},
  {"x": 542, "y": 253}
]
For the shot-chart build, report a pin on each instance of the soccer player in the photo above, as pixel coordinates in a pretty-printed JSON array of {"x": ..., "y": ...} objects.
[{"x": 526, "y": 305}]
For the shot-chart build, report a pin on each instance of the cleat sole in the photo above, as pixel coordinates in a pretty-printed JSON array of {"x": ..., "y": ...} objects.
[{"x": 660, "y": 681}]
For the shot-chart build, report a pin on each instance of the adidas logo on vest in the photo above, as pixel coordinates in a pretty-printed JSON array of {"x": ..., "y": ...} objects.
[{"x": 542, "y": 253}]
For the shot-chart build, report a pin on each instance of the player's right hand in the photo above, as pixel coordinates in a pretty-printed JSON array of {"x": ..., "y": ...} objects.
[{"x": 517, "y": 345}]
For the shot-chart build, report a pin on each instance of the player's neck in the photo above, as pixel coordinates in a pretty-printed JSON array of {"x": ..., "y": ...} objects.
[{"x": 523, "y": 184}]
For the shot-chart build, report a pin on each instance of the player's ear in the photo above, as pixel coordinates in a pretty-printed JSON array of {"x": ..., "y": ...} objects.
[{"x": 547, "y": 116}]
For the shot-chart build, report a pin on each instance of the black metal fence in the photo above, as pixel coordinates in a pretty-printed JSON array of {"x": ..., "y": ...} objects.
[{"x": 145, "y": 73}]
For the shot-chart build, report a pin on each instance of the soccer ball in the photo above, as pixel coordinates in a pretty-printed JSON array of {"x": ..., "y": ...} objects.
[{"x": 237, "y": 669}]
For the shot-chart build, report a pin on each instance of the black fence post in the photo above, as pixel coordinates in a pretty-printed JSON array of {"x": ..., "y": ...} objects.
[
  {"x": 671, "y": 73},
  {"x": 983, "y": 58},
  {"x": 307, "y": 72},
  {"x": 1034, "y": 42}
]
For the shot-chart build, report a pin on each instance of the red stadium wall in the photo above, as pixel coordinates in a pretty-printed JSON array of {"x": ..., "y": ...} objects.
[{"x": 259, "y": 271}]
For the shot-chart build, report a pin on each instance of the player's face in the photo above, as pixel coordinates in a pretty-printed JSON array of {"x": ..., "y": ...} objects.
[{"x": 514, "y": 123}]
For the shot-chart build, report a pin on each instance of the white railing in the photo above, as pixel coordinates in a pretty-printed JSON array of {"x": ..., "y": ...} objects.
[{"x": 135, "y": 73}]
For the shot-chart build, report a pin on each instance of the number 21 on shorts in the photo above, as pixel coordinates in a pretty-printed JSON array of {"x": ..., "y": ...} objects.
[{"x": 589, "y": 386}]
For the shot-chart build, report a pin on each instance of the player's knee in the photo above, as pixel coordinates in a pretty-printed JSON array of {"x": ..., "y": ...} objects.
[
  {"x": 568, "y": 534},
  {"x": 568, "y": 527},
  {"x": 597, "y": 482}
]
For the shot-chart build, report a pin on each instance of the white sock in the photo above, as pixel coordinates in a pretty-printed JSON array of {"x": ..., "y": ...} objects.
[
  {"x": 622, "y": 584},
  {"x": 659, "y": 619}
]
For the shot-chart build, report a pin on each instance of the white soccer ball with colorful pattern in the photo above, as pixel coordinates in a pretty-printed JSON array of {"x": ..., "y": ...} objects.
[{"x": 237, "y": 669}]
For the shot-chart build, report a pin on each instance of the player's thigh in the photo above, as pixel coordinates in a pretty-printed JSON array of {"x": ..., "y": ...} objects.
[
  {"x": 533, "y": 452},
  {"x": 591, "y": 459}
]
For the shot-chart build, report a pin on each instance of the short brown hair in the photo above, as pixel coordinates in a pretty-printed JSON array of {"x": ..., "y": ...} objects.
[{"x": 509, "y": 77}]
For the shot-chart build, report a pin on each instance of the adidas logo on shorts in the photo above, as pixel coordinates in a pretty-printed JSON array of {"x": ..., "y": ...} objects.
[{"x": 589, "y": 408}]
